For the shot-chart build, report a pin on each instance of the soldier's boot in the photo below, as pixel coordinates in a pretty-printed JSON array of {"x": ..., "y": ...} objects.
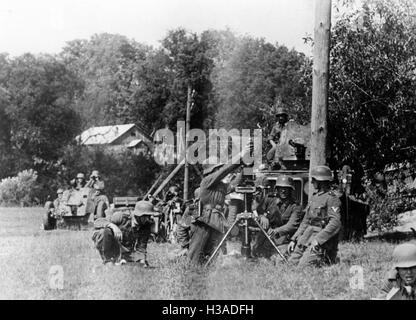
[
  {"x": 296, "y": 255},
  {"x": 313, "y": 257}
]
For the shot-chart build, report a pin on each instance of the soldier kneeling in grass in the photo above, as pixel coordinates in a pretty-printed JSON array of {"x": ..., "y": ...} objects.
[
  {"x": 316, "y": 240},
  {"x": 123, "y": 237},
  {"x": 401, "y": 280}
]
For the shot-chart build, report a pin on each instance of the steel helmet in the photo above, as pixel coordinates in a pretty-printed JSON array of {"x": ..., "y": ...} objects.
[
  {"x": 210, "y": 164},
  {"x": 284, "y": 181},
  {"x": 174, "y": 190},
  {"x": 322, "y": 173},
  {"x": 143, "y": 208},
  {"x": 281, "y": 111},
  {"x": 404, "y": 255},
  {"x": 60, "y": 190},
  {"x": 80, "y": 176},
  {"x": 95, "y": 173}
]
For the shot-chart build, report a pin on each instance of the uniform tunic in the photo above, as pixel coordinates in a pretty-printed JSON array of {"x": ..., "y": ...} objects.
[
  {"x": 322, "y": 222},
  {"x": 284, "y": 217},
  {"x": 133, "y": 246},
  {"x": 211, "y": 225}
]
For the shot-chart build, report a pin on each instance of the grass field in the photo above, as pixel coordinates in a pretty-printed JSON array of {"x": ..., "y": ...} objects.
[{"x": 27, "y": 254}]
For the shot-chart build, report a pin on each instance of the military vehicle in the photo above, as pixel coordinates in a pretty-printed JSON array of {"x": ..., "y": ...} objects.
[{"x": 76, "y": 209}]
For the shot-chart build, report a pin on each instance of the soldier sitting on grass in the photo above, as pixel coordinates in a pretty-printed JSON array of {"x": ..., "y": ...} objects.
[
  {"x": 280, "y": 216},
  {"x": 123, "y": 237},
  {"x": 401, "y": 280}
]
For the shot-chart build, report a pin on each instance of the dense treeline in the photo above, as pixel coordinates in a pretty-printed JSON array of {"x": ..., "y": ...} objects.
[{"x": 45, "y": 101}]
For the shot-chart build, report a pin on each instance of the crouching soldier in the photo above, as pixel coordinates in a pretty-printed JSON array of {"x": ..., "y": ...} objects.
[
  {"x": 123, "y": 236},
  {"x": 280, "y": 216},
  {"x": 401, "y": 280},
  {"x": 316, "y": 240}
]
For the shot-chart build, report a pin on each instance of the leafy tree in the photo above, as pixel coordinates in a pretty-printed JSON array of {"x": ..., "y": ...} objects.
[
  {"x": 108, "y": 64},
  {"x": 372, "y": 95},
  {"x": 254, "y": 76},
  {"x": 37, "y": 100},
  {"x": 190, "y": 65}
]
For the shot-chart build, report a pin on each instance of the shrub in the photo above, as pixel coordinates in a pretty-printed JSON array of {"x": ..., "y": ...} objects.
[{"x": 19, "y": 190}]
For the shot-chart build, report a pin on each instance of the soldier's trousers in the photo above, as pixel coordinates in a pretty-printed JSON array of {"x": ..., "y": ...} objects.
[
  {"x": 183, "y": 235},
  {"x": 306, "y": 256},
  {"x": 111, "y": 249},
  {"x": 263, "y": 248},
  {"x": 203, "y": 242}
]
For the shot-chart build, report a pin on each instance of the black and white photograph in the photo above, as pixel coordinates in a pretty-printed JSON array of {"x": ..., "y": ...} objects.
[{"x": 219, "y": 152}]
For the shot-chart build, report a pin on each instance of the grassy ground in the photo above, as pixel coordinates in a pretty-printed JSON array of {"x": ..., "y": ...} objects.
[{"x": 27, "y": 254}]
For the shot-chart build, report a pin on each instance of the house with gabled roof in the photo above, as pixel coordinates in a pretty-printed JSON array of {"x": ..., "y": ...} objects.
[{"x": 117, "y": 138}]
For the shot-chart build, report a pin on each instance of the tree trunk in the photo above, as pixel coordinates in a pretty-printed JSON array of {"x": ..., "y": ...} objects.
[
  {"x": 322, "y": 33},
  {"x": 188, "y": 126}
]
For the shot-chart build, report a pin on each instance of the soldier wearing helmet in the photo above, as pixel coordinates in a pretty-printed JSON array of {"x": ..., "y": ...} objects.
[
  {"x": 79, "y": 181},
  {"x": 124, "y": 236},
  {"x": 59, "y": 200},
  {"x": 280, "y": 216},
  {"x": 401, "y": 280},
  {"x": 212, "y": 224},
  {"x": 95, "y": 181},
  {"x": 275, "y": 136},
  {"x": 316, "y": 240}
]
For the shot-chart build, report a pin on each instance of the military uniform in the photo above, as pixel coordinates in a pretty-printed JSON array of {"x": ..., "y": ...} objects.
[
  {"x": 394, "y": 288},
  {"x": 183, "y": 230},
  {"x": 275, "y": 135},
  {"x": 322, "y": 222},
  {"x": 397, "y": 286},
  {"x": 133, "y": 246},
  {"x": 212, "y": 224},
  {"x": 284, "y": 217}
]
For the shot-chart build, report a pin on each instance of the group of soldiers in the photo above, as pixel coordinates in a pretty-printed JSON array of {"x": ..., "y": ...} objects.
[{"x": 306, "y": 237}]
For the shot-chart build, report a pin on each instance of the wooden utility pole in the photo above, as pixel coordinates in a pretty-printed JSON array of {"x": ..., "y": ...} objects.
[
  {"x": 187, "y": 129},
  {"x": 320, "y": 84}
]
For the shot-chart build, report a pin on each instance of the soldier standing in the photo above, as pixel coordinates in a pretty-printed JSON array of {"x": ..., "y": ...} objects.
[
  {"x": 401, "y": 282},
  {"x": 316, "y": 240},
  {"x": 280, "y": 216},
  {"x": 124, "y": 236},
  {"x": 212, "y": 224}
]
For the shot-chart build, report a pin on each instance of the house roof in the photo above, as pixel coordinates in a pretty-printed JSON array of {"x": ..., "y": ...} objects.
[
  {"x": 134, "y": 143},
  {"x": 104, "y": 134}
]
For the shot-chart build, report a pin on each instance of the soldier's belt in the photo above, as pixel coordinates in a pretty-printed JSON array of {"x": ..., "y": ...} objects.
[{"x": 321, "y": 223}]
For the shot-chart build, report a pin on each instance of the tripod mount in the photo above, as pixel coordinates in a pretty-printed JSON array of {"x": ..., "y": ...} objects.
[{"x": 245, "y": 220}]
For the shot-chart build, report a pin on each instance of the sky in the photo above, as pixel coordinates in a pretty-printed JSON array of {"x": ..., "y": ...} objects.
[{"x": 44, "y": 26}]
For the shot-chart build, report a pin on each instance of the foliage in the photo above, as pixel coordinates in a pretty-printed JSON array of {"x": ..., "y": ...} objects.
[
  {"x": 36, "y": 106},
  {"x": 107, "y": 63},
  {"x": 19, "y": 190},
  {"x": 372, "y": 83}
]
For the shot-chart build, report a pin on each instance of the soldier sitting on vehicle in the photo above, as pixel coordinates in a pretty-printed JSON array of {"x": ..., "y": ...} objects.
[
  {"x": 95, "y": 180},
  {"x": 275, "y": 137},
  {"x": 79, "y": 182},
  {"x": 316, "y": 240},
  {"x": 280, "y": 216},
  {"x": 401, "y": 280},
  {"x": 124, "y": 236}
]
